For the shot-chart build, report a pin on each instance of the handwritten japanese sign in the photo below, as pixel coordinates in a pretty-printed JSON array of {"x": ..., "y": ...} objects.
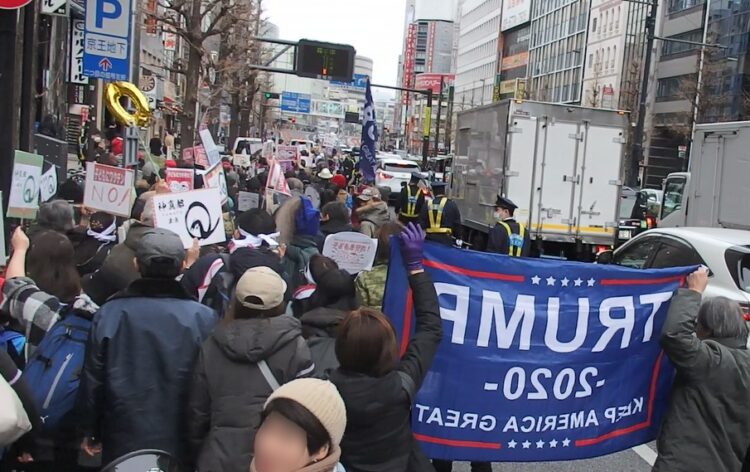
[
  {"x": 353, "y": 252},
  {"x": 194, "y": 214},
  {"x": 108, "y": 189},
  {"x": 24, "y": 187}
]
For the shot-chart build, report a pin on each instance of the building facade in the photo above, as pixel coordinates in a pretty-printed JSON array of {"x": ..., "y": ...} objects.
[
  {"x": 557, "y": 50},
  {"x": 514, "y": 50}
]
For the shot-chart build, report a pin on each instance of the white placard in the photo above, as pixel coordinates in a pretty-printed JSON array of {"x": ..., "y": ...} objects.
[
  {"x": 215, "y": 178},
  {"x": 179, "y": 180},
  {"x": 212, "y": 152},
  {"x": 353, "y": 252},
  {"x": 248, "y": 201},
  {"x": 194, "y": 214},
  {"x": 48, "y": 184},
  {"x": 108, "y": 189},
  {"x": 24, "y": 187}
]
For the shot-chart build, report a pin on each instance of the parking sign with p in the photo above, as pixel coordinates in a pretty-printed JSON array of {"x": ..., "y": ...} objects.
[{"x": 107, "y": 39}]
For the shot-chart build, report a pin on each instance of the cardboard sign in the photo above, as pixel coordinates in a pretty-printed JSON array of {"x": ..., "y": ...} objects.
[
  {"x": 287, "y": 153},
  {"x": 353, "y": 252},
  {"x": 179, "y": 180},
  {"x": 215, "y": 178},
  {"x": 200, "y": 157},
  {"x": 48, "y": 184},
  {"x": 108, "y": 189},
  {"x": 212, "y": 151},
  {"x": 247, "y": 201},
  {"x": 194, "y": 214},
  {"x": 188, "y": 155},
  {"x": 24, "y": 188}
]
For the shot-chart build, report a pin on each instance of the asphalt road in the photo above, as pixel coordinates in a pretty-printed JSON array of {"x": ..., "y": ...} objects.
[{"x": 638, "y": 459}]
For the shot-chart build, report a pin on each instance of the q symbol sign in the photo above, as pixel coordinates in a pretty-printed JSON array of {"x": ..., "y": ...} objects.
[
  {"x": 29, "y": 189},
  {"x": 198, "y": 221}
]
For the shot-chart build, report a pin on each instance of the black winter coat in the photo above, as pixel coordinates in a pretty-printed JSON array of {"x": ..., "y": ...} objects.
[
  {"x": 228, "y": 390},
  {"x": 136, "y": 376},
  {"x": 319, "y": 329},
  {"x": 378, "y": 432}
]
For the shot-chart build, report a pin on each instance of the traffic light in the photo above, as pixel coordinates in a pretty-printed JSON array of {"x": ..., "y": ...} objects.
[{"x": 271, "y": 95}]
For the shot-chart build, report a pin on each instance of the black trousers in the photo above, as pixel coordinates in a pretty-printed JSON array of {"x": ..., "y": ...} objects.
[{"x": 447, "y": 466}]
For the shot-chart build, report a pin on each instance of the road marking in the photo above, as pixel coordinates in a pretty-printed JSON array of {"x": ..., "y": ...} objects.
[{"x": 646, "y": 453}]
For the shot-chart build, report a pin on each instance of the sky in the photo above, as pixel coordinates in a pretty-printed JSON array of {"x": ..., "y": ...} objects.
[{"x": 373, "y": 27}]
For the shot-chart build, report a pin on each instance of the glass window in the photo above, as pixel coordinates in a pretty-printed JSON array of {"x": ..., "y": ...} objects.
[
  {"x": 670, "y": 87},
  {"x": 738, "y": 263},
  {"x": 593, "y": 26},
  {"x": 673, "y": 193},
  {"x": 673, "y": 253},
  {"x": 672, "y": 47},
  {"x": 679, "y": 5},
  {"x": 636, "y": 254}
]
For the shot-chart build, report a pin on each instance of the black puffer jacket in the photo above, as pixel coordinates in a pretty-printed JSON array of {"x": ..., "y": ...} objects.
[
  {"x": 229, "y": 389},
  {"x": 319, "y": 329},
  {"x": 378, "y": 432}
]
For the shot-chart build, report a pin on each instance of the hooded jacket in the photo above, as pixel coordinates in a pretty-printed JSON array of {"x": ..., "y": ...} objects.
[
  {"x": 372, "y": 218},
  {"x": 229, "y": 390}
]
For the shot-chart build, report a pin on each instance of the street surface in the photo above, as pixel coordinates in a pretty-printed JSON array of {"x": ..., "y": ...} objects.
[{"x": 638, "y": 459}]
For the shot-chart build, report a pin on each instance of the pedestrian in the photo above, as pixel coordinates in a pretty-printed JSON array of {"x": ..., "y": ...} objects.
[
  {"x": 169, "y": 143},
  {"x": 508, "y": 236},
  {"x": 411, "y": 201},
  {"x": 372, "y": 212},
  {"x": 143, "y": 344},
  {"x": 155, "y": 146},
  {"x": 248, "y": 356},
  {"x": 56, "y": 215},
  {"x": 441, "y": 218},
  {"x": 370, "y": 285},
  {"x": 378, "y": 386},
  {"x": 339, "y": 181},
  {"x": 334, "y": 218},
  {"x": 706, "y": 426},
  {"x": 93, "y": 242},
  {"x": 301, "y": 429},
  {"x": 333, "y": 299},
  {"x": 304, "y": 243}
]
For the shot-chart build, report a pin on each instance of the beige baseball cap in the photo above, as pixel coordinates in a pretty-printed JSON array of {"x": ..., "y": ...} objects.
[{"x": 260, "y": 288}]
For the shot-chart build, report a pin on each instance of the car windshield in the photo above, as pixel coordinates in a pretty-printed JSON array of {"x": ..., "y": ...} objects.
[
  {"x": 738, "y": 263},
  {"x": 406, "y": 167}
]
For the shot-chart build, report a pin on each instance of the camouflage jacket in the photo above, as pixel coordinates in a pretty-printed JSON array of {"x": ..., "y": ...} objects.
[{"x": 371, "y": 285}]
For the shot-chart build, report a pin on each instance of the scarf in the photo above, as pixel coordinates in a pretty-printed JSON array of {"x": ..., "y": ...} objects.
[
  {"x": 106, "y": 236},
  {"x": 253, "y": 241}
]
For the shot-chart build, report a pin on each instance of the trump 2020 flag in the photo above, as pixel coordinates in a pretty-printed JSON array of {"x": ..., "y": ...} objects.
[
  {"x": 367, "y": 160},
  {"x": 540, "y": 360}
]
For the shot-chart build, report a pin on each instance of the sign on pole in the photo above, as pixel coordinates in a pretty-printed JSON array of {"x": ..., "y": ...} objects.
[
  {"x": 48, "y": 184},
  {"x": 75, "y": 52},
  {"x": 55, "y": 7},
  {"x": 212, "y": 152},
  {"x": 108, "y": 189},
  {"x": 24, "y": 188},
  {"x": 195, "y": 214},
  {"x": 353, "y": 252},
  {"x": 107, "y": 33},
  {"x": 248, "y": 201},
  {"x": 215, "y": 178},
  {"x": 179, "y": 180}
]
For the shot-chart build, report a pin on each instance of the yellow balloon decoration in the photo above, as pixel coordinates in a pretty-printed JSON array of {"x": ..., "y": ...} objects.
[{"x": 112, "y": 94}]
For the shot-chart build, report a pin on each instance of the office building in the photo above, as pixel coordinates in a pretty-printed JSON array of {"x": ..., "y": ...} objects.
[
  {"x": 514, "y": 50},
  {"x": 605, "y": 49}
]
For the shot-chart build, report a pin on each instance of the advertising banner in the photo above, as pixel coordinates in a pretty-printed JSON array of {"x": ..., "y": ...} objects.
[{"x": 515, "y": 12}]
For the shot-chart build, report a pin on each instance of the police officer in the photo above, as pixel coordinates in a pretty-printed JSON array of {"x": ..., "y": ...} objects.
[
  {"x": 441, "y": 218},
  {"x": 411, "y": 201},
  {"x": 508, "y": 236}
]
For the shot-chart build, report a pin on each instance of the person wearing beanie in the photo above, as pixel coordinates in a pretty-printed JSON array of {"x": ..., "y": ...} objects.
[
  {"x": 339, "y": 181},
  {"x": 301, "y": 429},
  {"x": 333, "y": 299},
  {"x": 305, "y": 241},
  {"x": 246, "y": 358}
]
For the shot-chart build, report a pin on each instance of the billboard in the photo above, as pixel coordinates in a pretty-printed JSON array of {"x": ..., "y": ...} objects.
[
  {"x": 516, "y": 60},
  {"x": 515, "y": 12},
  {"x": 432, "y": 81}
]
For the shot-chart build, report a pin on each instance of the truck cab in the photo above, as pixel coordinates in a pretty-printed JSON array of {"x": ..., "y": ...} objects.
[{"x": 674, "y": 204}]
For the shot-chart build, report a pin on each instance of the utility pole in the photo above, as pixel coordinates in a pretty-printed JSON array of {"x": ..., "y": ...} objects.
[
  {"x": 449, "y": 120},
  {"x": 439, "y": 111},
  {"x": 8, "y": 133},
  {"x": 636, "y": 150}
]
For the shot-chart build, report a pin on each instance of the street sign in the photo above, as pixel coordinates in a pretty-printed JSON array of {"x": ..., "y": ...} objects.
[
  {"x": 358, "y": 83},
  {"x": 107, "y": 32},
  {"x": 293, "y": 102},
  {"x": 55, "y": 7}
]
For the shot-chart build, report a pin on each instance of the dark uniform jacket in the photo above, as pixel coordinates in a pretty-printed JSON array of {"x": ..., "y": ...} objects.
[
  {"x": 411, "y": 198},
  {"x": 451, "y": 219},
  {"x": 378, "y": 433},
  {"x": 500, "y": 240}
]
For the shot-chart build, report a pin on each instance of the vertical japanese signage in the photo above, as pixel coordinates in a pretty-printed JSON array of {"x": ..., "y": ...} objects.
[
  {"x": 107, "y": 39},
  {"x": 150, "y": 11},
  {"x": 75, "y": 63},
  {"x": 430, "y": 45},
  {"x": 408, "y": 62}
]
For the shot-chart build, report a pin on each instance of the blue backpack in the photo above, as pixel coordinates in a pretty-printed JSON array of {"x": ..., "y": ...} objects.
[
  {"x": 12, "y": 342},
  {"x": 53, "y": 373}
]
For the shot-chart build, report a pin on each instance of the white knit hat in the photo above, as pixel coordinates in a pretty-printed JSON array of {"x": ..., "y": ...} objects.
[{"x": 322, "y": 399}]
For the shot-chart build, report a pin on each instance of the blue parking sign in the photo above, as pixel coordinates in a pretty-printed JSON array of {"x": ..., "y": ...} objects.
[{"x": 106, "y": 53}]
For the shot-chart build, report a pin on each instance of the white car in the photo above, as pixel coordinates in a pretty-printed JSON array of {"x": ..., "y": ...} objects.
[
  {"x": 391, "y": 174},
  {"x": 726, "y": 253}
]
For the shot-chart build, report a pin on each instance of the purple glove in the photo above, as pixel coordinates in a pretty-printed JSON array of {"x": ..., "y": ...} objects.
[{"x": 412, "y": 246}]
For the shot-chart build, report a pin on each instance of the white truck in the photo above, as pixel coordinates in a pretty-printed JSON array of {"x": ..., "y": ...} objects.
[
  {"x": 561, "y": 164},
  {"x": 716, "y": 191}
]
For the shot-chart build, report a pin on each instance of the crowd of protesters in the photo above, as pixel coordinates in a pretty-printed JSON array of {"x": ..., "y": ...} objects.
[{"x": 260, "y": 353}]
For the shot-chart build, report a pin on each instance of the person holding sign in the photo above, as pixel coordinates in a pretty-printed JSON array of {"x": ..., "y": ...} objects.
[
  {"x": 378, "y": 386},
  {"x": 706, "y": 426}
]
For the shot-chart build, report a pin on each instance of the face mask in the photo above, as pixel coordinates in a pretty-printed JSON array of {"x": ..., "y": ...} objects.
[{"x": 498, "y": 216}]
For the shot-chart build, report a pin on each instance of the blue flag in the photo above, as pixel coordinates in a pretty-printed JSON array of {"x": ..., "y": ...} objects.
[
  {"x": 540, "y": 360},
  {"x": 367, "y": 160}
]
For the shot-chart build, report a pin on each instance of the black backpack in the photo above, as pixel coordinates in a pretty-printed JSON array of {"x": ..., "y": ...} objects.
[{"x": 220, "y": 291}]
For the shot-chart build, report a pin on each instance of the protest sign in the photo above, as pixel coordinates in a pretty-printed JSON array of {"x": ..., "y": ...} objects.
[
  {"x": 212, "y": 152},
  {"x": 179, "y": 180},
  {"x": 23, "y": 201},
  {"x": 241, "y": 159},
  {"x": 286, "y": 153},
  {"x": 188, "y": 155},
  {"x": 48, "y": 184},
  {"x": 108, "y": 189},
  {"x": 247, "y": 201},
  {"x": 286, "y": 165},
  {"x": 215, "y": 178},
  {"x": 193, "y": 214},
  {"x": 353, "y": 252},
  {"x": 200, "y": 156},
  {"x": 540, "y": 360}
]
